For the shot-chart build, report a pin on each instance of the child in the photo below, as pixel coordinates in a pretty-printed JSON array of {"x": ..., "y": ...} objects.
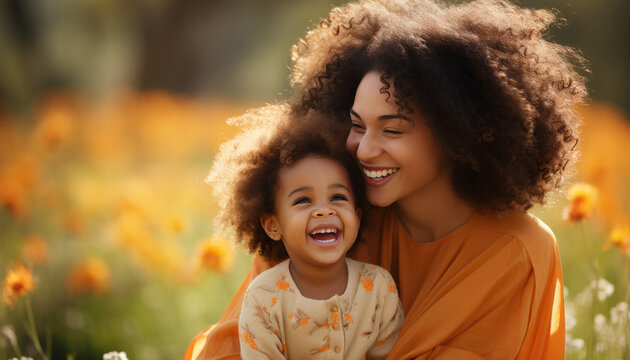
[{"x": 296, "y": 195}]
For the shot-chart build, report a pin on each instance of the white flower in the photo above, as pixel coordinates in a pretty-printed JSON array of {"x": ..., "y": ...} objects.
[
  {"x": 115, "y": 356},
  {"x": 603, "y": 287},
  {"x": 569, "y": 318},
  {"x": 9, "y": 333},
  {"x": 619, "y": 313},
  {"x": 572, "y": 345},
  {"x": 599, "y": 322}
]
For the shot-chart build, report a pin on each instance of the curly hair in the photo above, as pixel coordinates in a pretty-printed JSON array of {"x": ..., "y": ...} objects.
[
  {"x": 244, "y": 173},
  {"x": 498, "y": 98}
]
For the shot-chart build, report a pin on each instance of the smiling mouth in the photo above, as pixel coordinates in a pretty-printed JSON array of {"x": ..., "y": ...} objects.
[
  {"x": 325, "y": 236},
  {"x": 379, "y": 175}
]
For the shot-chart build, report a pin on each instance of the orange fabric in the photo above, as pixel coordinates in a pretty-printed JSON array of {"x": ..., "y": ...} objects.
[{"x": 491, "y": 289}]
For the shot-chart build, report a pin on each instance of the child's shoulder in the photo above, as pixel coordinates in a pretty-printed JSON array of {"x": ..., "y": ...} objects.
[
  {"x": 371, "y": 277},
  {"x": 271, "y": 280}
]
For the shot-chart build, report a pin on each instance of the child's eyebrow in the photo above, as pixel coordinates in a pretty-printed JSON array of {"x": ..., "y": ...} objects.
[
  {"x": 339, "y": 186},
  {"x": 310, "y": 187},
  {"x": 298, "y": 190},
  {"x": 383, "y": 117}
]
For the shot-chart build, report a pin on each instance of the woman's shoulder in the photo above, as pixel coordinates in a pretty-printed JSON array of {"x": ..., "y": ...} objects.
[{"x": 534, "y": 236}]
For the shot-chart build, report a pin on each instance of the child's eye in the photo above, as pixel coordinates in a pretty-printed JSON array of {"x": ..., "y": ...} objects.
[
  {"x": 302, "y": 200},
  {"x": 338, "y": 197}
]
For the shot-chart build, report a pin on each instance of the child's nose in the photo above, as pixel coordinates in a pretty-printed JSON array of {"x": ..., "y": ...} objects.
[{"x": 324, "y": 212}]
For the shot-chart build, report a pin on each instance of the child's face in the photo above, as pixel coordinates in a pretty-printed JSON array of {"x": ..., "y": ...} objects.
[{"x": 315, "y": 214}]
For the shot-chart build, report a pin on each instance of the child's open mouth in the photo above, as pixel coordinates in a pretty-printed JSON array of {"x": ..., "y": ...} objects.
[{"x": 326, "y": 237}]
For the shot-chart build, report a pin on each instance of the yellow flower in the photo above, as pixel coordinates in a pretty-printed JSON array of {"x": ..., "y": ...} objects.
[
  {"x": 583, "y": 198},
  {"x": 620, "y": 237},
  {"x": 90, "y": 275},
  {"x": 35, "y": 250},
  {"x": 216, "y": 254},
  {"x": 19, "y": 282}
]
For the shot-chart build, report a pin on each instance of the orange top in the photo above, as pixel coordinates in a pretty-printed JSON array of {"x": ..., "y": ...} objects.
[{"x": 490, "y": 289}]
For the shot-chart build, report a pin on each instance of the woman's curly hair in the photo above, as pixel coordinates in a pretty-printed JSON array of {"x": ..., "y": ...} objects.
[
  {"x": 244, "y": 173},
  {"x": 499, "y": 98}
]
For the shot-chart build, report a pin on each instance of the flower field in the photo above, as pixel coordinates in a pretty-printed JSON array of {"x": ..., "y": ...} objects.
[{"x": 107, "y": 240}]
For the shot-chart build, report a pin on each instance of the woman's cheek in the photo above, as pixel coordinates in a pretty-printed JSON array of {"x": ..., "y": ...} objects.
[{"x": 352, "y": 143}]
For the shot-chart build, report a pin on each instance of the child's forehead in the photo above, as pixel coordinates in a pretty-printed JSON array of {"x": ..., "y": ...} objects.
[{"x": 314, "y": 169}]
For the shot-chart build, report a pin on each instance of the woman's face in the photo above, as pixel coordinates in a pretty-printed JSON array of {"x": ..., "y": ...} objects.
[{"x": 397, "y": 153}]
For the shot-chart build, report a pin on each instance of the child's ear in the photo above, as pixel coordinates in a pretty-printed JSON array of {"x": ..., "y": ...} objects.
[{"x": 271, "y": 226}]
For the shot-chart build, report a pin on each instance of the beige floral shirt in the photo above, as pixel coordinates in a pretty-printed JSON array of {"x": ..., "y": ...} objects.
[{"x": 277, "y": 322}]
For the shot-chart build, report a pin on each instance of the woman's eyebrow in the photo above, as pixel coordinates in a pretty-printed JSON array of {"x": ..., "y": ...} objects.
[{"x": 383, "y": 117}]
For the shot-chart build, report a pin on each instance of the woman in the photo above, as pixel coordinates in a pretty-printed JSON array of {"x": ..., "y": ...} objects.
[{"x": 462, "y": 117}]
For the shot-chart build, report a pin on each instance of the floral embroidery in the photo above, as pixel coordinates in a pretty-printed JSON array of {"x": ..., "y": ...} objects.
[
  {"x": 334, "y": 318},
  {"x": 381, "y": 342},
  {"x": 325, "y": 348},
  {"x": 274, "y": 300},
  {"x": 304, "y": 321},
  {"x": 348, "y": 318},
  {"x": 368, "y": 284},
  {"x": 249, "y": 340},
  {"x": 282, "y": 285},
  {"x": 392, "y": 288}
]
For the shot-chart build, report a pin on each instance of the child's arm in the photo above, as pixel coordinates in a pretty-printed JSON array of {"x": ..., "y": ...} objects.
[
  {"x": 258, "y": 330},
  {"x": 390, "y": 319}
]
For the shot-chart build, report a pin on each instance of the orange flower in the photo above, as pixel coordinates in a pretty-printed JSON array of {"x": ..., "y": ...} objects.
[
  {"x": 334, "y": 318},
  {"x": 35, "y": 250},
  {"x": 583, "y": 198},
  {"x": 368, "y": 284},
  {"x": 392, "y": 288},
  {"x": 12, "y": 196},
  {"x": 282, "y": 285},
  {"x": 381, "y": 342},
  {"x": 249, "y": 340},
  {"x": 348, "y": 318},
  {"x": 304, "y": 321},
  {"x": 18, "y": 282},
  {"x": 620, "y": 237},
  {"x": 325, "y": 348},
  {"x": 273, "y": 301},
  {"x": 216, "y": 254},
  {"x": 90, "y": 275}
]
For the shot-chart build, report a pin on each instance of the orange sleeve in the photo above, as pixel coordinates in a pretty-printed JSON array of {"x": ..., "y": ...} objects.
[{"x": 220, "y": 341}]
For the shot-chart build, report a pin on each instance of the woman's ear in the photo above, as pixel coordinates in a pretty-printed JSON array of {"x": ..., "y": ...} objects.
[{"x": 271, "y": 226}]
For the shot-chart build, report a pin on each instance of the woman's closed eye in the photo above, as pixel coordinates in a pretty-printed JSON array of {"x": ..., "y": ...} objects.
[
  {"x": 338, "y": 197},
  {"x": 357, "y": 126},
  {"x": 392, "y": 132}
]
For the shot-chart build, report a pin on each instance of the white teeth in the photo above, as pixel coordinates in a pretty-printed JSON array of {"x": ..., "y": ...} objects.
[
  {"x": 324, "y": 231},
  {"x": 379, "y": 173}
]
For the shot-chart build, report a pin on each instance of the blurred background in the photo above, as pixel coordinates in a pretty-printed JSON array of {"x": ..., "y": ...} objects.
[{"x": 110, "y": 113}]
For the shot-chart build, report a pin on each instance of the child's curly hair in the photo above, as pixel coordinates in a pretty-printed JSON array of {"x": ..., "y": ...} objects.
[
  {"x": 498, "y": 97},
  {"x": 244, "y": 173}
]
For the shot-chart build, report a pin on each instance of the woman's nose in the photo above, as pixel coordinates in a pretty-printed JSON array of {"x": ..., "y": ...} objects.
[
  {"x": 367, "y": 148},
  {"x": 323, "y": 212}
]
